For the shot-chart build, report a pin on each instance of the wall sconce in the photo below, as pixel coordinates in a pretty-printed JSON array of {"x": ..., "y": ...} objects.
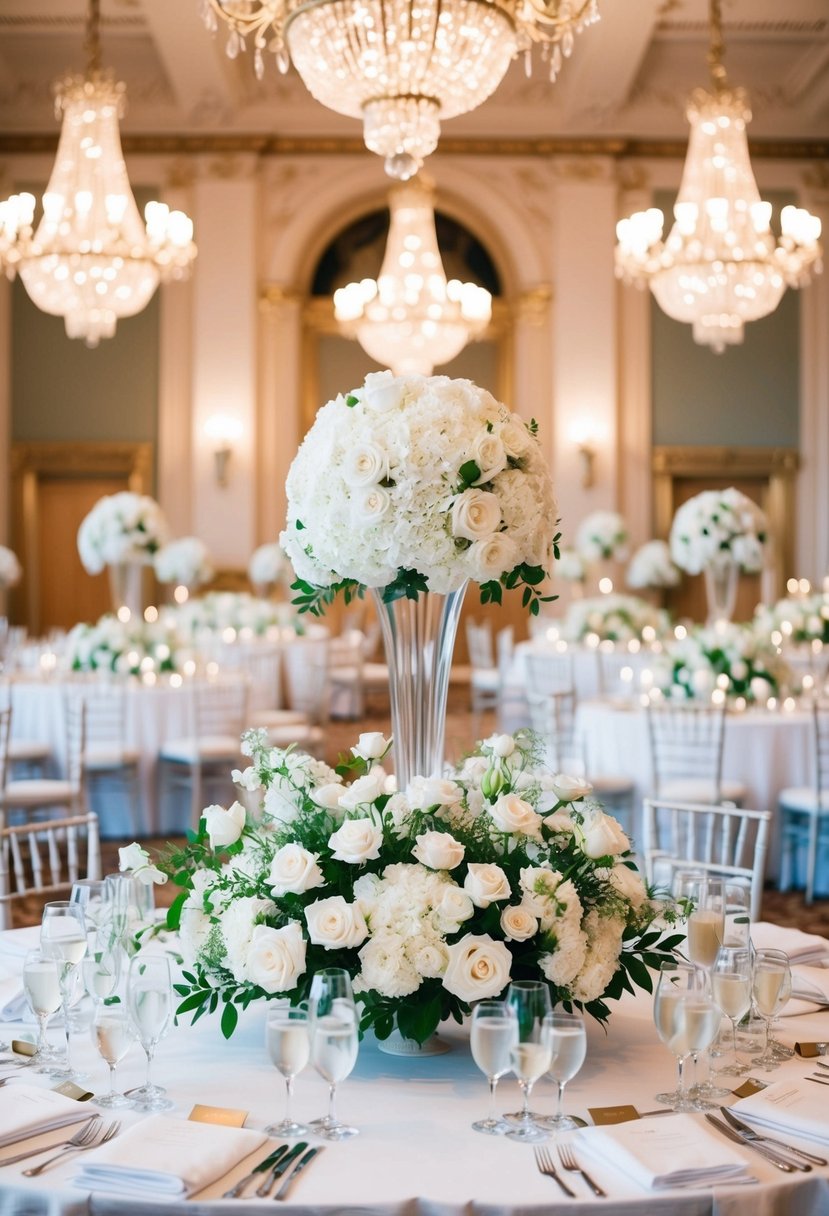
[
  {"x": 223, "y": 431},
  {"x": 584, "y": 437}
]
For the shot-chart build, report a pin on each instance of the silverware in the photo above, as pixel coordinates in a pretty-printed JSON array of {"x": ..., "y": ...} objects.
[
  {"x": 751, "y": 1134},
  {"x": 820, "y": 1064},
  {"x": 279, "y": 1169},
  {"x": 300, "y": 1165},
  {"x": 100, "y": 1136},
  {"x": 786, "y": 1166},
  {"x": 545, "y": 1166},
  {"x": 265, "y": 1164},
  {"x": 568, "y": 1161},
  {"x": 86, "y": 1129},
  {"x": 817, "y": 1080}
]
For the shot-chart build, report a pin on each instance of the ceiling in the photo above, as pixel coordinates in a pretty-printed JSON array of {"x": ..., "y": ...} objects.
[{"x": 627, "y": 78}]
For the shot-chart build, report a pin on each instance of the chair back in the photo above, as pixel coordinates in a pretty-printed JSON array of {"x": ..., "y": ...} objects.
[
  {"x": 479, "y": 645},
  {"x": 46, "y": 857},
  {"x": 220, "y": 708},
  {"x": 5, "y": 732},
  {"x": 820, "y": 710},
  {"x": 306, "y": 663},
  {"x": 105, "y": 710},
  {"x": 505, "y": 648},
  {"x": 612, "y": 662},
  {"x": 722, "y": 841},
  {"x": 686, "y": 741},
  {"x": 548, "y": 672},
  {"x": 263, "y": 667},
  {"x": 75, "y": 719}
]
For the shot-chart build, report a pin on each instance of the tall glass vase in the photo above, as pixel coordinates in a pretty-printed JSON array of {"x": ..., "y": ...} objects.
[
  {"x": 126, "y": 585},
  {"x": 419, "y": 637},
  {"x": 721, "y": 579}
]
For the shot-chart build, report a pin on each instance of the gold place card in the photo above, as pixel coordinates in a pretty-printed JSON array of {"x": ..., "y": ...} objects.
[
  {"x": 603, "y": 1115},
  {"x": 22, "y": 1047},
  {"x": 218, "y": 1114},
  {"x": 70, "y": 1090}
]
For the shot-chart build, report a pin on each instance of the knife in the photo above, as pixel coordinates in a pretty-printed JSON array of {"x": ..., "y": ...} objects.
[
  {"x": 272, "y": 1158},
  {"x": 751, "y": 1134},
  {"x": 786, "y": 1166},
  {"x": 298, "y": 1168},
  {"x": 817, "y": 1080},
  {"x": 280, "y": 1167}
]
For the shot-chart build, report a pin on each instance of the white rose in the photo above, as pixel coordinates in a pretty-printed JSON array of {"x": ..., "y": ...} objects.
[
  {"x": 383, "y": 392},
  {"x": 358, "y": 840},
  {"x": 328, "y": 795},
  {"x": 492, "y": 556},
  {"x": 133, "y": 857},
  {"x": 487, "y": 451},
  {"x": 369, "y": 506},
  {"x": 515, "y": 437},
  {"x": 294, "y": 870},
  {"x": 478, "y": 967},
  {"x": 486, "y": 884},
  {"x": 335, "y": 924},
  {"x": 371, "y": 746},
  {"x": 570, "y": 789},
  {"x": 518, "y": 923},
  {"x": 475, "y": 514},
  {"x": 438, "y": 850},
  {"x": 425, "y": 792},
  {"x": 365, "y": 465},
  {"x": 601, "y": 835},
  {"x": 454, "y": 908},
  {"x": 560, "y": 822},
  {"x": 224, "y": 827},
  {"x": 276, "y": 958},
  {"x": 629, "y": 884},
  {"x": 430, "y": 959},
  {"x": 364, "y": 790},
  {"x": 512, "y": 814},
  {"x": 500, "y": 745}
]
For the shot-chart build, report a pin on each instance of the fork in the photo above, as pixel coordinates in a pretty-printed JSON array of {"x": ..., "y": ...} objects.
[
  {"x": 99, "y": 1137},
  {"x": 545, "y": 1166},
  {"x": 568, "y": 1161},
  {"x": 86, "y": 1130}
]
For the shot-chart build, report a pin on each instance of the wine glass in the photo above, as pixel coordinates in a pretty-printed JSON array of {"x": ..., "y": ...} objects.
[
  {"x": 150, "y": 1004},
  {"x": 770, "y": 989},
  {"x": 530, "y": 1054},
  {"x": 334, "y": 1053},
  {"x": 706, "y": 919},
  {"x": 63, "y": 938},
  {"x": 731, "y": 986},
  {"x": 686, "y": 1019},
  {"x": 328, "y": 986},
  {"x": 101, "y": 968},
  {"x": 494, "y": 1034},
  {"x": 89, "y": 894},
  {"x": 41, "y": 983},
  {"x": 112, "y": 1034},
  {"x": 737, "y": 913},
  {"x": 569, "y": 1047},
  {"x": 288, "y": 1039}
]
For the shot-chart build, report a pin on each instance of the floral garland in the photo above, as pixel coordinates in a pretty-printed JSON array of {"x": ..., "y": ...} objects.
[
  {"x": 121, "y": 528},
  {"x": 431, "y": 897},
  {"x": 733, "y": 658},
  {"x": 615, "y": 618},
  {"x": 718, "y": 524}
]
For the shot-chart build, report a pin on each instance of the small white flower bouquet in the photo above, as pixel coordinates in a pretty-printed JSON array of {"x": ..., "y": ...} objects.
[
  {"x": 267, "y": 565},
  {"x": 602, "y": 536},
  {"x": 185, "y": 562},
  {"x": 652, "y": 566},
  {"x": 718, "y": 524},
  {"x": 432, "y": 897},
  {"x": 737, "y": 659},
  {"x": 615, "y": 618},
  {"x": 121, "y": 527},
  {"x": 798, "y": 621},
  {"x": 10, "y": 570},
  {"x": 124, "y": 649}
]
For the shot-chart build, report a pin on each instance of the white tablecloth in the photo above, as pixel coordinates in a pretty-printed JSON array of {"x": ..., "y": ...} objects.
[{"x": 416, "y": 1154}]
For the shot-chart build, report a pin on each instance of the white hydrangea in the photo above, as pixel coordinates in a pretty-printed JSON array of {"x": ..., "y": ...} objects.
[
  {"x": 120, "y": 528},
  {"x": 185, "y": 561},
  {"x": 604, "y": 945},
  {"x": 717, "y": 524},
  {"x": 614, "y": 618},
  {"x": 267, "y": 565},
  {"x": 237, "y": 921},
  {"x": 652, "y": 566},
  {"x": 602, "y": 535}
]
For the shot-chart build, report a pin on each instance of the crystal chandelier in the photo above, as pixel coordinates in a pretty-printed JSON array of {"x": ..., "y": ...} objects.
[
  {"x": 411, "y": 319},
  {"x": 721, "y": 265},
  {"x": 91, "y": 259},
  {"x": 401, "y": 65}
]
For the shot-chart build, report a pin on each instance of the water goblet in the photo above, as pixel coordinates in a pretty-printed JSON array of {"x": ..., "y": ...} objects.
[
  {"x": 101, "y": 968},
  {"x": 530, "y": 1054},
  {"x": 334, "y": 1046},
  {"x": 288, "y": 1039},
  {"x": 731, "y": 987},
  {"x": 737, "y": 913},
  {"x": 63, "y": 938},
  {"x": 41, "y": 983},
  {"x": 89, "y": 894},
  {"x": 112, "y": 1034},
  {"x": 569, "y": 1048},
  {"x": 328, "y": 986},
  {"x": 150, "y": 1005},
  {"x": 493, "y": 1035},
  {"x": 686, "y": 1019},
  {"x": 771, "y": 988}
]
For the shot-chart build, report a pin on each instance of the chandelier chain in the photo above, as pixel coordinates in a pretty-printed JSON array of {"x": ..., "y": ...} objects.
[{"x": 92, "y": 37}]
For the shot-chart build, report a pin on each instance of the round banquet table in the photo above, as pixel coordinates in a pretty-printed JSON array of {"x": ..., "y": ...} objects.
[{"x": 416, "y": 1154}]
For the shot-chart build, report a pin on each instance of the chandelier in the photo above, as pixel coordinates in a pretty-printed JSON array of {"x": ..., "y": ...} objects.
[
  {"x": 91, "y": 260},
  {"x": 401, "y": 65},
  {"x": 721, "y": 265},
  {"x": 411, "y": 319}
]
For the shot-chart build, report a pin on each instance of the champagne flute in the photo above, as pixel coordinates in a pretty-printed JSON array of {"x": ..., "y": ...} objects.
[
  {"x": 41, "y": 983},
  {"x": 63, "y": 938},
  {"x": 150, "y": 1004},
  {"x": 569, "y": 1048},
  {"x": 530, "y": 1054},
  {"x": 494, "y": 1034},
  {"x": 334, "y": 1053},
  {"x": 706, "y": 920},
  {"x": 686, "y": 1021},
  {"x": 770, "y": 989},
  {"x": 731, "y": 986},
  {"x": 288, "y": 1039},
  {"x": 112, "y": 1034}
]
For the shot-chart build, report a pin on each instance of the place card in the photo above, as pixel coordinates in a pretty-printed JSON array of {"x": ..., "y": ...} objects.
[
  {"x": 748, "y": 1088},
  {"x": 70, "y": 1090},
  {"x": 22, "y": 1047},
  {"x": 809, "y": 1050},
  {"x": 604, "y": 1115},
  {"x": 223, "y": 1115}
]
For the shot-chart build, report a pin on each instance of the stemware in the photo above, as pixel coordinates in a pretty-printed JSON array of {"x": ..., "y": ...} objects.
[
  {"x": 771, "y": 988},
  {"x": 706, "y": 919},
  {"x": 112, "y": 1034},
  {"x": 569, "y": 1048},
  {"x": 493, "y": 1035},
  {"x": 288, "y": 1040},
  {"x": 41, "y": 983},
  {"x": 101, "y": 968},
  {"x": 737, "y": 913},
  {"x": 89, "y": 894},
  {"x": 150, "y": 1004},
  {"x": 63, "y": 938},
  {"x": 530, "y": 1054},
  {"x": 731, "y": 986},
  {"x": 334, "y": 1042},
  {"x": 686, "y": 1021}
]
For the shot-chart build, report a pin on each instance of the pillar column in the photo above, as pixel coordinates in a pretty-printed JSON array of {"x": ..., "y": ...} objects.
[
  {"x": 279, "y": 404},
  {"x": 812, "y": 547}
]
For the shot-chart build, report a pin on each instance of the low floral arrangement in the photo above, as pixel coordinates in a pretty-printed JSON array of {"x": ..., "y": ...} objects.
[
  {"x": 10, "y": 570},
  {"x": 734, "y": 658},
  {"x": 432, "y": 897},
  {"x": 615, "y": 618},
  {"x": 124, "y": 527},
  {"x": 185, "y": 562},
  {"x": 415, "y": 484},
  {"x": 718, "y": 524},
  {"x": 211, "y": 616},
  {"x": 268, "y": 565},
  {"x": 799, "y": 621},
  {"x": 122, "y": 649},
  {"x": 602, "y": 536},
  {"x": 651, "y": 566}
]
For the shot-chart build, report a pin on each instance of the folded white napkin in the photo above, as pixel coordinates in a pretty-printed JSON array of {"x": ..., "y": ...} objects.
[
  {"x": 18, "y": 942},
  {"x": 13, "y": 1003},
  {"x": 26, "y": 1110},
  {"x": 800, "y": 947},
  {"x": 810, "y": 991},
  {"x": 662, "y": 1154},
  {"x": 166, "y": 1157},
  {"x": 795, "y": 1106}
]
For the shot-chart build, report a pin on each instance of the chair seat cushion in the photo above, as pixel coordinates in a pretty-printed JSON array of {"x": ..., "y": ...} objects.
[
  {"x": 803, "y": 799},
  {"x": 305, "y": 737},
  {"x": 109, "y": 756},
  {"x": 486, "y": 678},
  {"x": 375, "y": 673},
  {"x": 39, "y": 791},
  {"x": 700, "y": 789},
  {"x": 28, "y": 749},
  {"x": 273, "y": 719},
  {"x": 609, "y": 786},
  {"x": 194, "y": 751}
]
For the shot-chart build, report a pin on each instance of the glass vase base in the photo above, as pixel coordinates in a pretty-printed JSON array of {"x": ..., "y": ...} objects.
[
  {"x": 397, "y": 1045},
  {"x": 286, "y": 1129}
]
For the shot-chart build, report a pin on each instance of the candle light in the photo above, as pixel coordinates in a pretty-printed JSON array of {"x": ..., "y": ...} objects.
[
  {"x": 229, "y": 634},
  {"x": 123, "y": 614},
  {"x": 771, "y": 703},
  {"x": 605, "y": 585},
  {"x": 789, "y": 704},
  {"x": 718, "y": 696},
  {"x": 149, "y": 678},
  {"x": 189, "y": 667},
  {"x": 552, "y": 634},
  {"x": 176, "y": 680},
  {"x": 804, "y": 586},
  {"x": 740, "y": 703},
  {"x": 151, "y": 614},
  {"x": 792, "y": 586},
  {"x": 634, "y": 646},
  {"x": 680, "y": 632},
  {"x": 181, "y": 594},
  {"x": 646, "y": 678},
  {"x": 626, "y": 675},
  {"x": 212, "y": 669},
  {"x": 561, "y": 646}
]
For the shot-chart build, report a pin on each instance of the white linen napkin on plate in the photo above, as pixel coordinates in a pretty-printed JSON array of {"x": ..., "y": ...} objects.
[
  {"x": 185, "y": 1157},
  {"x": 810, "y": 991},
  {"x": 662, "y": 1154},
  {"x": 795, "y": 1106},
  {"x": 800, "y": 947},
  {"x": 27, "y": 1110}
]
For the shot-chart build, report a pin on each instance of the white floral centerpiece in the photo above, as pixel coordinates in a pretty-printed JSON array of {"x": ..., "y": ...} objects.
[
  {"x": 800, "y": 621},
  {"x": 734, "y": 658},
  {"x": 432, "y": 897},
  {"x": 570, "y": 566},
  {"x": 268, "y": 565},
  {"x": 218, "y": 613},
  {"x": 185, "y": 561},
  {"x": 652, "y": 566},
  {"x": 10, "y": 570},
  {"x": 602, "y": 536},
  {"x": 718, "y": 524},
  {"x": 121, "y": 648},
  {"x": 615, "y": 618},
  {"x": 123, "y": 527}
]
